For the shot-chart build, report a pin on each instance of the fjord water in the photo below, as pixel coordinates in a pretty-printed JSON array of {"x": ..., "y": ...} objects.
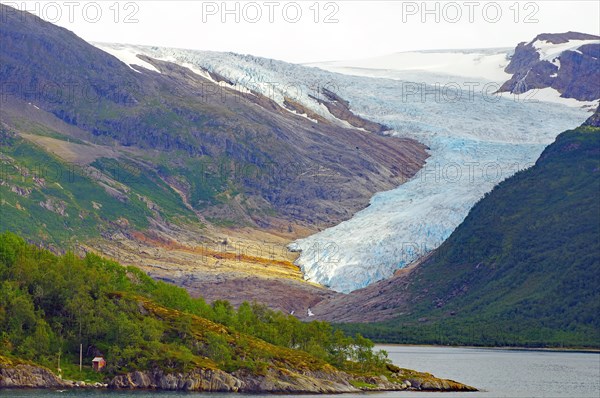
[
  {"x": 497, "y": 373},
  {"x": 506, "y": 373}
]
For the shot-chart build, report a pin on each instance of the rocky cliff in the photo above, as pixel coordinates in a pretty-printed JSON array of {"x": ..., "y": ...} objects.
[
  {"x": 567, "y": 62},
  {"x": 19, "y": 374},
  {"x": 594, "y": 120}
]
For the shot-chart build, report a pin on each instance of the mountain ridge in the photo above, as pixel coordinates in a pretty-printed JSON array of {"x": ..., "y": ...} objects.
[{"x": 573, "y": 70}]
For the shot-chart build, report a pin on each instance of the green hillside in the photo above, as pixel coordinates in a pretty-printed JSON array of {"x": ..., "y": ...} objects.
[
  {"x": 49, "y": 200},
  {"x": 49, "y": 305},
  {"x": 523, "y": 268}
]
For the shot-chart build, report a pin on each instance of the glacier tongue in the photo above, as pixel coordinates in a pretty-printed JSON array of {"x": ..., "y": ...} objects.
[
  {"x": 474, "y": 144},
  {"x": 476, "y": 140}
]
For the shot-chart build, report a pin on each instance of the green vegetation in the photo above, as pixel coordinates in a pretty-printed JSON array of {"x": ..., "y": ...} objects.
[
  {"x": 50, "y": 304},
  {"x": 145, "y": 183},
  {"x": 48, "y": 200},
  {"x": 51, "y": 201},
  {"x": 522, "y": 269}
]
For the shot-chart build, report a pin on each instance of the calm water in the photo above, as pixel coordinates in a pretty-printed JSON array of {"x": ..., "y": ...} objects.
[{"x": 499, "y": 373}]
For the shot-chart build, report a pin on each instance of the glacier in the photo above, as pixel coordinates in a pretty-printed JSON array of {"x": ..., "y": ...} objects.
[
  {"x": 474, "y": 144},
  {"x": 475, "y": 138}
]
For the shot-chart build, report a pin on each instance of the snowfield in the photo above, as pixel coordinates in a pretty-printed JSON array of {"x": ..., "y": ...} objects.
[
  {"x": 481, "y": 65},
  {"x": 549, "y": 51},
  {"x": 476, "y": 139}
]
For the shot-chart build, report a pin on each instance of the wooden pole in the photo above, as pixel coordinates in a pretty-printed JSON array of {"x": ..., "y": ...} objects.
[{"x": 80, "y": 357}]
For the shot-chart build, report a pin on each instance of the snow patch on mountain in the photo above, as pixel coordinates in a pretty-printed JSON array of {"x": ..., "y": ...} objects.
[
  {"x": 464, "y": 68},
  {"x": 566, "y": 62},
  {"x": 549, "y": 51},
  {"x": 249, "y": 74},
  {"x": 550, "y": 94},
  {"x": 126, "y": 54}
]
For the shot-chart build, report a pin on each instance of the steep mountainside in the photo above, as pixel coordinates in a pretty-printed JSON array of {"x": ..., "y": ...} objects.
[
  {"x": 172, "y": 111},
  {"x": 567, "y": 62},
  {"x": 521, "y": 269},
  {"x": 164, "y": 167}
]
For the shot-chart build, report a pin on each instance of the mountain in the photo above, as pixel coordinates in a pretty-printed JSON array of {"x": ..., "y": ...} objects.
[
  {"x": 472, "y": 143},
  {"x": 202, "y": 167},
  {"x": 193, "y": 180},
  {"x": 566, "y": 62},
  {"x": 521, "y": 269}
]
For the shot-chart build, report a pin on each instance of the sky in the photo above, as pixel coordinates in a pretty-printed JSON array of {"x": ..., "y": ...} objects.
[{"x": 312, "y": 31}]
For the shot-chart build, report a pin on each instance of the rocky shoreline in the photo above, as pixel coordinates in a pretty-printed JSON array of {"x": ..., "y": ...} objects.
[{"x": 26, "y": 375}]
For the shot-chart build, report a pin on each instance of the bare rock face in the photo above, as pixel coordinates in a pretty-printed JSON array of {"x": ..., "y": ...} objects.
[
  {"x": 574, "y": 73},
  {"x": 282, "y": 381},
  {"x": 196, "y": 380},
  {"x": 28, "y": 376},
  {"x": 340, "y": 108},
  {"x": 594, "y": 120},
  {"x": 243, "y": 381}
]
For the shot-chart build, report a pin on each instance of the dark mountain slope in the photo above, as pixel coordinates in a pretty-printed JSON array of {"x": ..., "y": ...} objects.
[
  {"x": 523, "y": 268},
  {"x": 56, "y": 71}
]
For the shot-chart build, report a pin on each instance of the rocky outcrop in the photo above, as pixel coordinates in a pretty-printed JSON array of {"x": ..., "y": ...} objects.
[
  {"x": 284, "y": 381},
  {"x": 23, "y": 375},
  {"x": 274, "y": 381},
  {"x": 340, "y": 108},
  {"x": 196, "y": 380},
  {"x": 574, "y": 72},
  {"x": 559, "y": 38},
  {"x": 19, "y": 374},
  {"x": 594, "y": 120}
]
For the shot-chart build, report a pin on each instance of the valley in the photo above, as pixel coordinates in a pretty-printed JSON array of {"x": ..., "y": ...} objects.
[
  {"x": 249, "y": 179},
  {"x": 256, "y": 218}
]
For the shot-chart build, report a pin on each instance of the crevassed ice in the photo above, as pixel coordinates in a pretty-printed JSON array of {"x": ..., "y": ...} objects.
[{"x": 475, "y": 142}]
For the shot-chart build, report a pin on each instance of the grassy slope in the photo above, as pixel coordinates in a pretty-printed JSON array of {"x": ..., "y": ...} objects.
[
  {"x": 89, "y": 200},
  {"x": 522, "y": 269}
]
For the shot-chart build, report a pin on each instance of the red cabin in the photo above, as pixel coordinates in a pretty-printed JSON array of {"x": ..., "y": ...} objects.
[{"x": 98, "y": 363}]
